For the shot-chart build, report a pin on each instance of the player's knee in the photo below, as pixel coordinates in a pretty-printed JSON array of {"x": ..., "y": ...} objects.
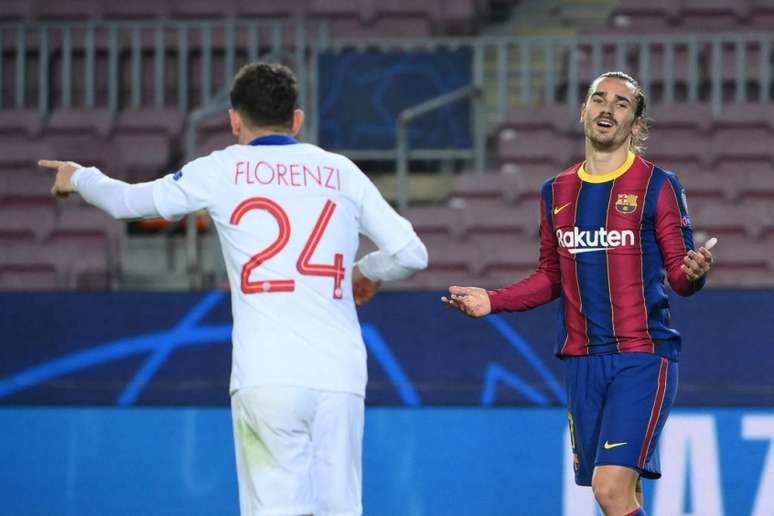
[{"x": 609, "y": 494}]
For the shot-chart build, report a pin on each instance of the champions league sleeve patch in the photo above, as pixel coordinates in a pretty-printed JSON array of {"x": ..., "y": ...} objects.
[
  {"x": 685, "y": 220},
  {"x": 685, "y": 200}
]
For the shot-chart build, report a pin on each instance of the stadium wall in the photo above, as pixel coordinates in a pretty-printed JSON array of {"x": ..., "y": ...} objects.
[
  {"x": 116, "y": 403},
  {"x": 451, "y": 461}
]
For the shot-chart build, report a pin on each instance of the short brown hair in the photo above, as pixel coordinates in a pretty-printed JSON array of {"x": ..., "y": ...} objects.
[{"x": 266, "y": 94}]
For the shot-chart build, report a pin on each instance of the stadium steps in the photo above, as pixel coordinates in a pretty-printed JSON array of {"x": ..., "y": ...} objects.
[
  {"x": 423, "y": 187},
  {"x": 538, "y": 18}
]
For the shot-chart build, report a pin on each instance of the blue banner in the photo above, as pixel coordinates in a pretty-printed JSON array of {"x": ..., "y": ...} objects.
[
  {"x": 361, "y": 94},
  {"x": 174, "y": 349},
  {"x": 455, "y": 462}
]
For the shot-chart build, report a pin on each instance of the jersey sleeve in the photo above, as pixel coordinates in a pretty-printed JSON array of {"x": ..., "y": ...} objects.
[
  {"x": 381, "y": 223},
  {"x": 543, "y": 285},
  {"x": 674, "y": 234},
  {"x": 187, "y": 190}
]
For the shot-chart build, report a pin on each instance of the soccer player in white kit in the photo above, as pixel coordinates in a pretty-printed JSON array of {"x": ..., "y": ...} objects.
[{"x": 288, "y": 215}]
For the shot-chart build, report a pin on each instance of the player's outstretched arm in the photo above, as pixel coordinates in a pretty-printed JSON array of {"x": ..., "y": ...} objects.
[
  {"x": 471, "y": 301},
  {"x": 118, "y": 199}
]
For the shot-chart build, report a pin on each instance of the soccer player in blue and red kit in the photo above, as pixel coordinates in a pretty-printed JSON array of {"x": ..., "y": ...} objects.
[{"x": 610, "y": 228}]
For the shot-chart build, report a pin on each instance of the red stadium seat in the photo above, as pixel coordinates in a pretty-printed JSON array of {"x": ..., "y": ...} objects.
[
  {"x": 556, "y": 117},
  {"x": 97, "y": 122},
  {"x": 121, "y": 9},
  {"x": 28, "y": 277},
  {"x": 539, "y": 146},
  {"x": 489, "y": 186},
  {"x": 741, "y": 145},
  {"x": 20, "y": 121},
  {"x": 74, "y": 216},
  {"x": 79, "y": 253},
  {"x": 436, "y": 219},
  {"x": 24, "y": 181},
  {"x": 718, "y": 218},
  {"x": 34, "y": 214},
  {"x": 500, "y": 218}
]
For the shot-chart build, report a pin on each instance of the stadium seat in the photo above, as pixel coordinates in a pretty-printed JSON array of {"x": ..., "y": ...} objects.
[
  {"x": 681, "y": 115},
  {"x": 21, "y": 121},
  {"x": 718, "y": 218},
  {"x": 34, "y": 214},
  {"x": 19, "y": 181},
  {"x": 28, "y": 277},
  {"x": 436, "y": 219},
  {"x": 449, "y": 254},
  {"x": 700, "y": 184},
  {"x": 205, "y": 8},
  {"x": 745, "y": 115},
  {"x": 489, "y": 186},
  {"x": 70, "y": 10},
  {"x": 514, "y": 251},
  {"x": 641, "y": 17},
  {"x": 77, "y": 253},
  {"x": 556, "y": 117},
  {"x": 75, "y": 216},
  {"x": 96, "y": 122},
  {"x": 11, "y": 238},
  {"x": 120, "y": 9},
  {"x": 683, "y": 146},
  {"x": 741, "y": 145},
  {"x": 500, "y": 218},
  {"x": 741, "y": 182},
  {"x": 538, "y": 146},
  {"x": 19, "y": 151}
]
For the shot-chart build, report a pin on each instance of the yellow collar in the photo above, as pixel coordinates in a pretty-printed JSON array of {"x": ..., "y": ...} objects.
[{"x": 585, "y": 176}]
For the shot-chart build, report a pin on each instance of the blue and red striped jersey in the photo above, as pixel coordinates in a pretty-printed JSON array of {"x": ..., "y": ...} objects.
[{"x": 605, "y": 245}]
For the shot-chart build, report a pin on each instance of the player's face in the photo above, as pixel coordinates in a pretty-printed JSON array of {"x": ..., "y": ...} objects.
[{"x": 608, "y": 114}]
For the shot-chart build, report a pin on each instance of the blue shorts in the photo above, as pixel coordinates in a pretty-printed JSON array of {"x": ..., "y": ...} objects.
[{"x": 617, "y": 406}]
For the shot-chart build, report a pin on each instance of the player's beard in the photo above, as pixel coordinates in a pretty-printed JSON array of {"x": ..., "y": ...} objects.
[{"x": 610, "y": 141}]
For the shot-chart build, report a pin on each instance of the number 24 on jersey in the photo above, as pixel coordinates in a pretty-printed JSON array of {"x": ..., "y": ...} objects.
[{"x": 335, "y": 270}]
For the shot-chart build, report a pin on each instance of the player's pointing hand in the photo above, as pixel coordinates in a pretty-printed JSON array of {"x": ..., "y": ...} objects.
[
  {"x": 471, "y": 301},
  {"x": 64, "y": 173}
]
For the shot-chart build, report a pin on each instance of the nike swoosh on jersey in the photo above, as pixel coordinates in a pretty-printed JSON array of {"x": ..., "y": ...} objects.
[
  {"x": 560, "y": 208},
  {"x": 609, "y": 446}
]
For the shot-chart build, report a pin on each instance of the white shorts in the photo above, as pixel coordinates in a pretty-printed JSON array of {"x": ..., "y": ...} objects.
[{"x": 298, "y": 451}]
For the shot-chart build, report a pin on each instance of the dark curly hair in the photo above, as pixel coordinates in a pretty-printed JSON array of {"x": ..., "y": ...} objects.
[{"x": 265, "y": 94}]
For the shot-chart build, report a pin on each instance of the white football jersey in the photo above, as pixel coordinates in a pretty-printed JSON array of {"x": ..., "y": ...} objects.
[{"x": 288, "y": 216}]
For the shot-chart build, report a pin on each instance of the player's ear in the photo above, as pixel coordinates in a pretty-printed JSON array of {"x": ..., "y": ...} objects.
[
  {"x": 236, "y": 123},
  {"x": 638, "y": 126},
  {"x": 298, "y": 121}
]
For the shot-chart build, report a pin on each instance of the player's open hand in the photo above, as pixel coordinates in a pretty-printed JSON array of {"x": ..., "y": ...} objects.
[
  {"x": 64, "y": 172},
  {"x": 363, "y": 289},
  {"x": 471, "y": 301},
  {"x": 697, "y": 264}
]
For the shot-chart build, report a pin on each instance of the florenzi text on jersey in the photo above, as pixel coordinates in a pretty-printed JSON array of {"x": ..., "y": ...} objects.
[{"x": 293, "y": 175}]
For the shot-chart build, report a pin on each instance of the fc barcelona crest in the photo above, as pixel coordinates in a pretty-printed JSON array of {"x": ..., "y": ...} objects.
[{"x": 626, "y": 203}]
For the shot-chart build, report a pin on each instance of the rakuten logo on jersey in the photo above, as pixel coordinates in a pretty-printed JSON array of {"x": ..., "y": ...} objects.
[{"x": 577, "y": 241}]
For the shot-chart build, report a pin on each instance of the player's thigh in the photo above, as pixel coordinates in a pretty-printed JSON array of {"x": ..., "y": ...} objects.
[
  {"x": 338, "y": 443},
  {"x": 585, "y": 381},
  {"x": 274, "y": 449},
  {"x": 638, "y": 403}
]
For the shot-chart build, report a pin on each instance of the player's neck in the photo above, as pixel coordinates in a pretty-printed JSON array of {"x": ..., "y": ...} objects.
[
  {"x": 246, "y": 136},
  {"x": 600, "y": 162}
]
